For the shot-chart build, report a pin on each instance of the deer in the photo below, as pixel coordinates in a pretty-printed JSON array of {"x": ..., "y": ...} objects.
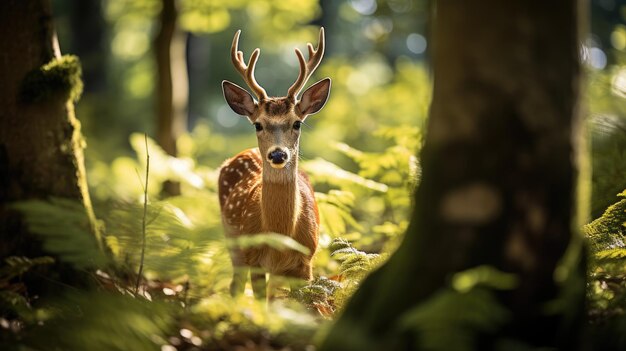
[{"x": 261, "y": 189}]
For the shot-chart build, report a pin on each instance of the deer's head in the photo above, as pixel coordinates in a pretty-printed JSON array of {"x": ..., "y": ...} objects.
[{"x": 277, "y": 120}]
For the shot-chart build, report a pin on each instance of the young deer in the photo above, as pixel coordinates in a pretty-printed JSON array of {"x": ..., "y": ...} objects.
[{"x": 261, "y": 189}]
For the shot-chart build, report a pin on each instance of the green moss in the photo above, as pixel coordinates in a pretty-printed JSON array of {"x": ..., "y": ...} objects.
[
  {"x": 608, "y": 231},
  {"x": 60, "y": 77}
]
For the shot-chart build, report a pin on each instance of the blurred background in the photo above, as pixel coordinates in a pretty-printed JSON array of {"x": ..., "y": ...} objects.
[
  {"x": 376, "y": 55},
  {"x": 360, "y": 150}
]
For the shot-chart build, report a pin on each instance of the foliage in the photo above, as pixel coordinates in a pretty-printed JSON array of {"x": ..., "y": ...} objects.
[
  {"x": 61, "y": 76},
  {"x": 606, "y": 288},
  {"x": 453, "y": 320},
  {"x": 65, "y": 230},
  {"x": 607, "y": 285},
  {"x": 360, "y": 153},
  {"x": 608, "y": 232},
  {"x": 12, "y": 302},
  {"x": 273, "y": 240},
  {"x": 81, "y": 319},
  {"x": 328, "y": 295},
  {"x": 608, "y": 135},
  {"x": 456, "y": 317}
]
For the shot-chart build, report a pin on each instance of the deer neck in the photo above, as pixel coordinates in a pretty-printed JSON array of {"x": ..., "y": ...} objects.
[{"x": 280, "y": 198}]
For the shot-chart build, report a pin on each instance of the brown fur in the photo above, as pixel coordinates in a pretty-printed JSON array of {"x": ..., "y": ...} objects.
[
  {"x": 261, "y": 189},
  {"x": 277, "y": 106},
  {"x": 253, "y": 205}
]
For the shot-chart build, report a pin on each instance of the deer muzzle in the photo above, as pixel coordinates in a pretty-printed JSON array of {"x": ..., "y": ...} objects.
[{"x": 278, "y": 157}]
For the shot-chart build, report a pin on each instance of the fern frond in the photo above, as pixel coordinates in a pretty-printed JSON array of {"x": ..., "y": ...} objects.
[
  {"x": 324, "y": 171},
  {"x": 273, "y": 240},
  {"x": 611, "y": 254},
  {"x": 64, "y": 228},
  {"x": 454, "y": 321}
]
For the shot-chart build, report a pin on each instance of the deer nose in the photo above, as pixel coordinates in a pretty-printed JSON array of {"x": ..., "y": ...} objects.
[{"x": 277, "y": 156}]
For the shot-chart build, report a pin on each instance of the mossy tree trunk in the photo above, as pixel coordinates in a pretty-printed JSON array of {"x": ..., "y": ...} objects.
[
  {"x": 41, "y": 147},
  {"x": 497, "y": 189},
  {"x": 172, "y": 84}
]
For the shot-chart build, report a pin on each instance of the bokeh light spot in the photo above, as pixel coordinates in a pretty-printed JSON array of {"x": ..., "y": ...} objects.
[
  {"x": 364, "y": 7},
  {"x": 226, "y": 118},
  {"x": 618, "y": 38},
  {"x": 416, "y": 43},
  {"x": 597, "y": 58}
]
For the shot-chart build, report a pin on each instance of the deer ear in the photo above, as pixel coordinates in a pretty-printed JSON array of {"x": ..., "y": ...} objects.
[
  {"x": 238, "y": 99},
  {"x": 314, "y": 98}
]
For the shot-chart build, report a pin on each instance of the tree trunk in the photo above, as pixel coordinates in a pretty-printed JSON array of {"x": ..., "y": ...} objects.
[
  {"x": 172, "y": 85},
  {"x": 498, "y": 183},
  {"x": 41, "y": 147}
]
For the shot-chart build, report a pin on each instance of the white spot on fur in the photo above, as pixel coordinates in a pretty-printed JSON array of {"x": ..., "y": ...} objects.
[
  {"x": 246, "y": 164},
  {"x": 225, "y": 182},
  {"x": 230, "y": 206},
  {"x": 238, "y": 202},
  {"x": 239, "y": 172}
]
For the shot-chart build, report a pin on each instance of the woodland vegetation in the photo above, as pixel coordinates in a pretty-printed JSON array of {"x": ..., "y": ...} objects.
[{"x": 469, "y": 169}]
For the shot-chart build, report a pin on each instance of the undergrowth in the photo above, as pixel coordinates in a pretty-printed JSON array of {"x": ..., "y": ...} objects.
[{"x": 164, "y": 284}]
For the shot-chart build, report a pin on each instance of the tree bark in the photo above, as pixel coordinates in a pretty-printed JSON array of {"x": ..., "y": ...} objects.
[
  {"x": 499, "y": 178},
  {"x": 41, "y": 147},
  {"x": 172, "y": 85}
]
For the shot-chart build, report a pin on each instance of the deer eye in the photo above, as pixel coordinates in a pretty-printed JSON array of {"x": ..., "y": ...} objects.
[
  {"x": 258, "y": 126},
  {"x": 297, "y": 125}
]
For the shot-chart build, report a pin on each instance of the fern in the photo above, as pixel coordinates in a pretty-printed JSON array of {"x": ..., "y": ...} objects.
[
  {"x": 335, "y": 210},
  {"x": 231, "y": 323},
  {"x": 325, "y": 171},
  {"x": 611, "y": 254},
  {"x": 453, "y": 321},
  {"x": 354, "y": 264},
  {"x": 64, "y": 228},
  {"x": 18, "y": 265},
  {"x": 606, "y": 291},
  {"x": 608, "y": 231},
  {"x": 102, "y": 321},
  {"x": 273, "y": 240},
  {"x": 175, "y": 245},
  {"x": 318, "y": 295}
]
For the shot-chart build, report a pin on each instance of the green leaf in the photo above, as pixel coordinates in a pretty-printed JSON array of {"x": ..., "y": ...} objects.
[
  {"x": 273, "y": 240},
  {"x": 484, "y": 275},
  {"x": 325, "y": 171}
]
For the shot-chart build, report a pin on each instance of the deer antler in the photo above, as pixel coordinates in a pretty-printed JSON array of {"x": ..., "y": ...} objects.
[
  {"x": 307, "y": 67},
  {"x": 247, "y": 71}
]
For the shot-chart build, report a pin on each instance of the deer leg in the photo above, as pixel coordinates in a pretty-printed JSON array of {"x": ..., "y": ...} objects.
[
  {"x": 240, "y": 273},
  {"x": 259, "y": 284},
  {"x": 275, "y": 283},
  {"x": 238, "y": 284},
  {"x": 302, "y": 275}
]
